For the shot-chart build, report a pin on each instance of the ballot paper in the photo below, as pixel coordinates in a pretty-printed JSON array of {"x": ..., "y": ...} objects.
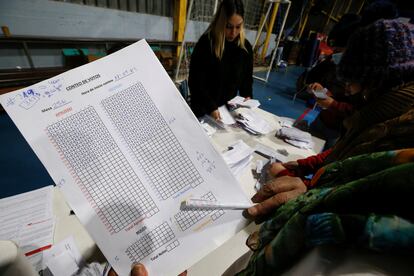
[
  {"x": 252, "y": 122},
  {"x": 226, "y": 117},
  {"x": 295, "y": 137},
  {"x": 269, "y": 152},
  {"x": 286, "y": 122},
  {"x": 238, "y": 157},
  {"x": 125, "y": 149},
  {"x": 241, "y": 101},
  {"x": 208, "y": 129},
  {"x": 63, "y": 258},
  {"x": 236, "y": 152},
  {"x": 321, "y": 94}
]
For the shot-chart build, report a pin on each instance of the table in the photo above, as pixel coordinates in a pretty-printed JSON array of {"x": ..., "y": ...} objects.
[
  {"x": 217, "y": 261},
  {"x": 220, "y": 259}
]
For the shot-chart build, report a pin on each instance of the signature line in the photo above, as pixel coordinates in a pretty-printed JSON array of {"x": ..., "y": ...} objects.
[{"x": 55, "y": 107}]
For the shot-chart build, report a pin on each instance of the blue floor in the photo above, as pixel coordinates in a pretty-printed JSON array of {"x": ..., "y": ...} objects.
[
  {"x": 21, "y": 170},
  {"x": 276, "y": 95}
]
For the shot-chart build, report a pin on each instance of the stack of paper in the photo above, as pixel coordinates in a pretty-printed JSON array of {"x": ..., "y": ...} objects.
[
  {"x": 238, "y": 157},
  {"x": 286, "y": 122},
  {"x": 27, "y": 219},
  {"x": 252, "y": 122},
  {"x": 295, "y": 137},
  {"x": 239, "y": 101},
  {"x": 269, "y": 152}
]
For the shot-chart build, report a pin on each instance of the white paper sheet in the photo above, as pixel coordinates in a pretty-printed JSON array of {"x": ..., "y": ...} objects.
[
  {"x": 16, "y": 212},
  {"x": 321, "y": 94},
  {"x": 241, "y": 101},
  {"x": 238, "y": 157},
  {"x": 236, "y": 100},
  {"x": 248, "y": 118},
  {"x": 238, "y": 169},
  {"x": 122, "y": 144},
  {"x": 270, "y": 152},
  {"x": 63, "y": 258},
  {"x": 62, "y": 264},
  {"x": 208, "y": 129},
  {"x": 238, "y": 151},
  {"x": 27, "y": 219},
  {"x": 226, "y": 117},
  {"x": 286, "y": 122}
]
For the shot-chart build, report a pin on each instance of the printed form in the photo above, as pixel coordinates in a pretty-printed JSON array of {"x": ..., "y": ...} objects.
[{"x": 123, "y": 146}]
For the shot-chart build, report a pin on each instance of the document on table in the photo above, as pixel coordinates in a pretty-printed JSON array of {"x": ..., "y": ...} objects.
[
  {"x": 238, "y": 157},
  {"x": 252, "y": 121},
  {"x": 121, "y": 143},
  {"x": 25, "y": 217},
  {"x": 63, "y": 258},
  {"x": 226, "y": 117}
]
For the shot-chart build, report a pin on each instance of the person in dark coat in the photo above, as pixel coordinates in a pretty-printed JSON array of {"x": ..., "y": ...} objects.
[{"x": 222, "y": 62}]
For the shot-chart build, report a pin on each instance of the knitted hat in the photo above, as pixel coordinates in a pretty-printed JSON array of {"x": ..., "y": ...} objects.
[
  {"x": 382, "y": 52},
  {"x": 379, "y": 9}
]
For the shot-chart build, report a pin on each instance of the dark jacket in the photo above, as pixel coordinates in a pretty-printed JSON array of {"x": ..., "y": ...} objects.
[{"x": 213, "y": 82}]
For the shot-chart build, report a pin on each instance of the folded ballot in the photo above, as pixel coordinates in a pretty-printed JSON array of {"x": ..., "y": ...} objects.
[
  {"x": 239, "y": 101},
  {"x": 238, "y": 157},
  {"x": 295, "y": 137}
]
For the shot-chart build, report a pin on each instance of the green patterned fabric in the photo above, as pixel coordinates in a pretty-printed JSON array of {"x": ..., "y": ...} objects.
[{"x": 361, "y": 201}]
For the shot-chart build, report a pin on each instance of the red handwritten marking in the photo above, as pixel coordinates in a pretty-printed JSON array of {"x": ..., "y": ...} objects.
[{"x": 64, "y": 111}]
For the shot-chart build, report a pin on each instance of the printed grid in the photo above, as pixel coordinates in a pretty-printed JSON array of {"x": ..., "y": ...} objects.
[
  {"x": 151, "y": 242},
  {"x": 151, "y": 140},
  {"x": 105, "y": 176},
  {"x": 188, "y": 218}
]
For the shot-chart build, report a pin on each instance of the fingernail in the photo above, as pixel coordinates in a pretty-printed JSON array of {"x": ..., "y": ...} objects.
[
  {"x": 252, "y": 211},
  {"x": 139, "y": 269}
]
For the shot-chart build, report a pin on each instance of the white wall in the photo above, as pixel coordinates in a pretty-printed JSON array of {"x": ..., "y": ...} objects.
[
  {"x": 51, "y": 18},
  {"x": 59, "y": 19}
]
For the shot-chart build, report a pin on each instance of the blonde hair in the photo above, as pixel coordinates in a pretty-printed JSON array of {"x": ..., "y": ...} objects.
[{"x": 216, "y": 29}]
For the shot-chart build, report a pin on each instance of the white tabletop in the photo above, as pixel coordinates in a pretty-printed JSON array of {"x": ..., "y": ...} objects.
[
  {"x": 220, "y": 259},
  {"x": 217, "y": 261}
]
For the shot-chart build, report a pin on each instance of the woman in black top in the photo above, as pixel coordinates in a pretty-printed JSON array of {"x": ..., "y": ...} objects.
[{"x": 222, "y": 62}]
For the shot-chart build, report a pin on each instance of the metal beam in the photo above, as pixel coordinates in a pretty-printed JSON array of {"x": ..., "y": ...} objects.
[
  {"x": 270, "y": 29},
  {"x": 181, "y": 49},
  {"x": 333, "y": 18},
  {"x": 180, "y": 13}
]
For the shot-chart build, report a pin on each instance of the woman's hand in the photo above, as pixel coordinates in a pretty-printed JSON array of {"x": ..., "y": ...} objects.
[
  {"x": 277, "y": 167},
  {"x": 275, "y": 193},
  {"x": 314, "y": 86},
  {"x": 139, "y": 270},
  {"x": 136, "y": 270},
  {"x": 216, "y": 115},
  {"x": 325, "y": 103}
]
